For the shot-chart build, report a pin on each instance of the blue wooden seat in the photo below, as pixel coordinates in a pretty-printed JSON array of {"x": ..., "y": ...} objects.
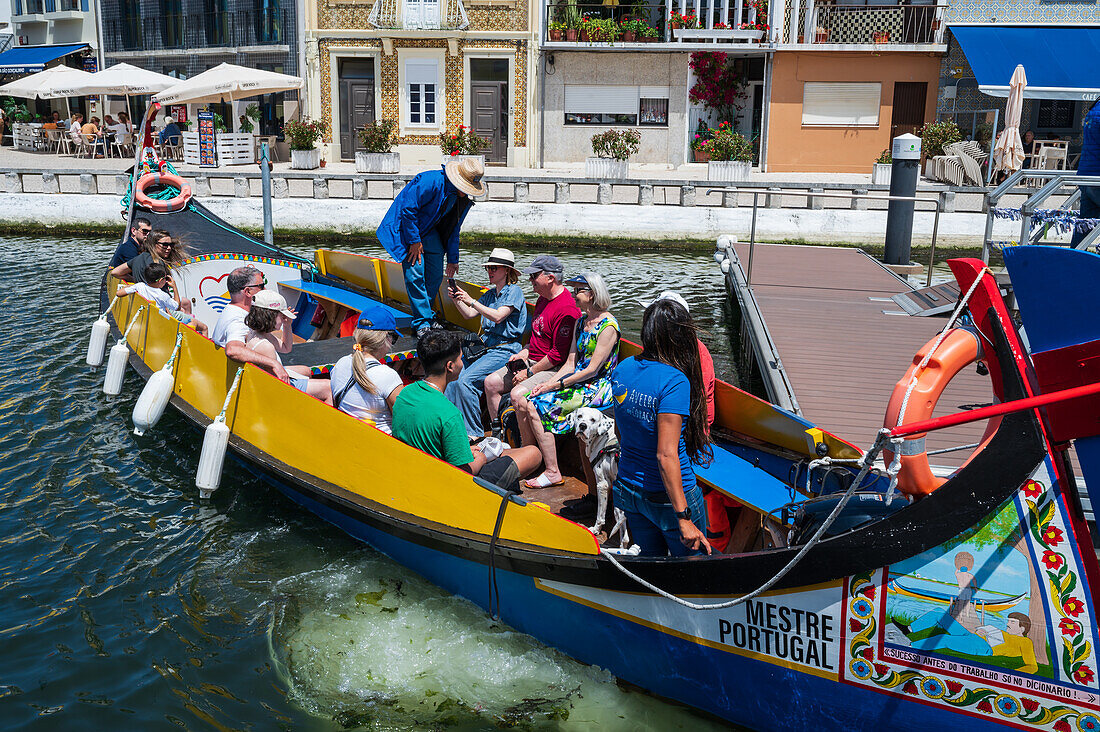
[
  {"x": 739, "y": 479},
  {"x": 310, "y": 292}
]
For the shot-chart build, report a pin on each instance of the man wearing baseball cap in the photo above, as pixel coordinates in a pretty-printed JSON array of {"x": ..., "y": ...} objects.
[
  {"x": 423, "y": 223},
  {"x": 552, "y": 326}
]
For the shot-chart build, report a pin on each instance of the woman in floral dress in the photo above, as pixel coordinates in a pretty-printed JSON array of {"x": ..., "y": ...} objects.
[{"x": 582, "y": 381}]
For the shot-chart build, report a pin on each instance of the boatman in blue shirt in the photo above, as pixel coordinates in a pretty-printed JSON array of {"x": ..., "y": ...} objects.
[
  {"x": 1089, "y": 164},
  {"x": 423, "y": 223}
]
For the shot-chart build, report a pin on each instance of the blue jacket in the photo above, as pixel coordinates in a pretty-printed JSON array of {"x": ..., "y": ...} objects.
[
  {"x": 1089, "y": 164},
  {"x": 418, "y": 208}
]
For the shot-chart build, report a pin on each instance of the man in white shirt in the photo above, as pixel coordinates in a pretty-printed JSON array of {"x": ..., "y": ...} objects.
[{"x": 231, "y": 332}]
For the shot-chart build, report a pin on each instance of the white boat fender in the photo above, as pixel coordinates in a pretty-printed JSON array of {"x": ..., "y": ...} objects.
[
  {"x": 116, "y": 361},
  {"x": 97, "y": 343},
  {"x": 150, "y": 405},
  {"x": 214, "y": 443}
]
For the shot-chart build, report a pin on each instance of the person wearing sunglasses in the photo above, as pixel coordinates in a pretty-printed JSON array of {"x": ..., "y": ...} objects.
[
  {"x": 504, "y": 318},
  {"x": 134, "y": 244},
  {"x": 232, "y": 333},
  {"x": 161, "y": 247}
]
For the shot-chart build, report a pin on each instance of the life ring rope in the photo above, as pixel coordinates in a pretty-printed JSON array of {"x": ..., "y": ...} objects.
[{"x": 176, "y": 203}]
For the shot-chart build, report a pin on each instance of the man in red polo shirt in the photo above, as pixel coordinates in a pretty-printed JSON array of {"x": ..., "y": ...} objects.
[{"x": 552, "y": 327}]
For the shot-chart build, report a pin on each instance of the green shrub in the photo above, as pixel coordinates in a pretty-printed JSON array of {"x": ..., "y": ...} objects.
[
  {"x": 934, "y": 135},
  {"x": 617, "y": 144},
  {"x": 303, "y": 135},
  {"x": 725, "y": 144},
  {"x": 378, "y": 137}
]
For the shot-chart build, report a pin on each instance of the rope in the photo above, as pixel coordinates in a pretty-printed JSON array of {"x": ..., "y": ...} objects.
[
  {"x": 229, "y": 395},
  {"x": 133, "y": 321},
  {"x": 172, "y": 359},
  {"x": 940, "y": 338},
  {"x": 164, "y": 194},
  {"x": 971, "y": 446},
  {"x": 109, "y": 308},
  {"x": 494, "y": 591},
  {"x": 867, "y": 460}
]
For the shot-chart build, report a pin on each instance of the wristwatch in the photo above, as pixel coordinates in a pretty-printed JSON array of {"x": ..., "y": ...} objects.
[{"x": 685, "y": 514}]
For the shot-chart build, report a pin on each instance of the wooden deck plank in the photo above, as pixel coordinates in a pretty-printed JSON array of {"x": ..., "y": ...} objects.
[{"x": 842, "y": 353}]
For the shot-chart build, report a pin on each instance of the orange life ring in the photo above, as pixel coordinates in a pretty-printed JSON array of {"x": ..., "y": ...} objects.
[
  {"x": 162, "y": 206},
  {"x": 960, "y": 348}
]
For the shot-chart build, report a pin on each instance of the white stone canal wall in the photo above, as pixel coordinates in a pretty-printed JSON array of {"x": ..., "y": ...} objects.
[{"x": 668, "y": 211}]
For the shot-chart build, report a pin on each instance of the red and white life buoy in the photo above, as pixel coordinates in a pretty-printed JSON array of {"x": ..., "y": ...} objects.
[
  {"x": 960, "y": 348},
  {"x": 162, "y": 206}
]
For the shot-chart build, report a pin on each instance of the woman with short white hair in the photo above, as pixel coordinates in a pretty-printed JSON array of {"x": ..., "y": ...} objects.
[{"x": 582, "y": 381}]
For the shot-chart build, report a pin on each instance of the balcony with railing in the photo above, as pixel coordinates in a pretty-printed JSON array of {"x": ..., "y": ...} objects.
[
  {"x": 834, "y": 24},
  {"x": 198, "y": 30},
  {"x": 418, "y": 15},
  {"x": 680, "y": 23}
]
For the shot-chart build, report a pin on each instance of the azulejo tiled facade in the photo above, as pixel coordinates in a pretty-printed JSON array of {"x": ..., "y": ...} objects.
[
  {"x": 1023, "y": 11},
  {"x": 340, "y": 34}
]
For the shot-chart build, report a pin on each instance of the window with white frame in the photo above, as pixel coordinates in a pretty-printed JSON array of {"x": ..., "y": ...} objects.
[
  {"x": 591, "y": 104},
  {"x": 421, "y": 88},
  {"x": 840, "y": 104}
]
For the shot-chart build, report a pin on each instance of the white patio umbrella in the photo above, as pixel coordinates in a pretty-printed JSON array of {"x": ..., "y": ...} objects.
[
  {"x": 227, "y": 82},
  {"x": 126, "y": 81},
  {"x": 51, "y": 83},
  {"x": 1008, "y": 153}
]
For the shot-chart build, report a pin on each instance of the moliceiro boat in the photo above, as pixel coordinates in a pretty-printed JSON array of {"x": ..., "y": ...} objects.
[{"x": 851, "y": 595}]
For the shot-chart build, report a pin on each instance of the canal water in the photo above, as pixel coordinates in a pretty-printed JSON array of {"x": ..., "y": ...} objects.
[{"x": 126, "y": 601}]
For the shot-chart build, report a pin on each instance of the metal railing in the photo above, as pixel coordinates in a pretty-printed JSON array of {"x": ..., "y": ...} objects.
[
  {"x": 864, "y": 24},
  {"x": 936, "y": 203},
  {"x": 198, "y": 30},
  {"x": 1056, "y": 181},
  {"x": 404, "y": 15},
  {"x": 706, "y": 21}
]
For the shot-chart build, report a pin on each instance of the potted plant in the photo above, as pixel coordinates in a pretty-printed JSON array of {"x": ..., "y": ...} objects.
[
  {"x": 649, "y": 33},
  {"x": 251, "y": 118},
  {"x": 586, "y": 22},
  {"x": 880, "y": 173},
  {"x": 730, "y": 155},
  {"x": 631, "y": 30},
  {"x": 612, "y": 149},
  {"x": 557, "y": 31},
  {"x": 573, "y": 22},
  {"x": 462, "y": 143},
  {"x": 934, "y": 135},
  {"x": 377, "y": 155},
  {"x": 302, "y": 136},
  {"x": 699, "y": 144},
  {"x": 881, "y": 36},
  {"x": 821, "y": 34}
]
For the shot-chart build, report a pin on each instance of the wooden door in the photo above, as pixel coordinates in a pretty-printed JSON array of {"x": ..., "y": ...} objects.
[
  {"x": 489, "y": 117},
  {"x": 908, "y": 112},
  {"x": 358, "y": 110}
]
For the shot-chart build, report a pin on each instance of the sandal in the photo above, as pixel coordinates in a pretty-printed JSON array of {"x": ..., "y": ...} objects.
[{"x": 541, "y": 482}]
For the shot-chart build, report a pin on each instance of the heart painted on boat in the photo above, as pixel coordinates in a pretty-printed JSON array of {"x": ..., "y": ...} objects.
[{"x": 218, "y": 296}]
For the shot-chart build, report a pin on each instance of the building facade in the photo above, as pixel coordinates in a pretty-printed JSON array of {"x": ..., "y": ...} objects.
[
  {"x": 182, "y": 38},
  {"x": 644, "y": 83},
  {"x": 53, "y": 22},
  {"x": 1051, "y": 115},
  {"x": 429, "y": 65},
  {"x": 847, "y": 78}
]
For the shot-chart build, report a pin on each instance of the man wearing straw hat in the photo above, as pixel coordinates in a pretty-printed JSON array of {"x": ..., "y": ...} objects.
[{"x": 423, "y": 223}]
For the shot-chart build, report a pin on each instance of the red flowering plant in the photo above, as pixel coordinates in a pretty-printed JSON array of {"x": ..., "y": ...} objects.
[
  {"x": 719, "y": 86},
  {"x": 687, "y": 20},
  {"x": 761, "y": 21},
  {"x": 462, "y": 141}
]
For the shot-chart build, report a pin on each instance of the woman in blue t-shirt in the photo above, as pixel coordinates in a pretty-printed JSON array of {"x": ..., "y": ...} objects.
[
  {"x": 504, "y": 320},
  {"x": 661, "y": 416}
]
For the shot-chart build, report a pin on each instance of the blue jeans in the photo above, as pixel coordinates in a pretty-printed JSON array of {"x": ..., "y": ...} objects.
[
  {"x": 654, "y": 526},
  {"x": 422, "y": 280},
  {"x": 465, "y": 392}
]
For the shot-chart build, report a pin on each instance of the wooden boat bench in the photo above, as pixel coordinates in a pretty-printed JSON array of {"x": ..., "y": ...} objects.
[{"x": 339, "y": 306}]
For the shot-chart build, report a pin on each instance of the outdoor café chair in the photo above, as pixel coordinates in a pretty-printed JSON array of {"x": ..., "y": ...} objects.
[{"x": 59, "y": 139}]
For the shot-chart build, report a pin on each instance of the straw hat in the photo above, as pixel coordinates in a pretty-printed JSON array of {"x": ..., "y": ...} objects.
[
  {"x": 466, "y": 175},
  {"x": 502, "y": 257}
]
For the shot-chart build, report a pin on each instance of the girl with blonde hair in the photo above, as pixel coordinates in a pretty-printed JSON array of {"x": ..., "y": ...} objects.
[{"x": 362, "y": 385}]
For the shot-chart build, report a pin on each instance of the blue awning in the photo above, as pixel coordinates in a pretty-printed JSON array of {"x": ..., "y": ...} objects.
[
  {"x": 1060, "y": 61},
  {"x": 29, "y": 59}
]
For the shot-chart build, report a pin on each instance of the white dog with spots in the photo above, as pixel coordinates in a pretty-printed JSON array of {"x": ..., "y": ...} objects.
[{"x": 596, "y": 432}]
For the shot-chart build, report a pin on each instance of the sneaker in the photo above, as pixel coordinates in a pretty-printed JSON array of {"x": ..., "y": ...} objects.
[{"x": 579, "y": 508}]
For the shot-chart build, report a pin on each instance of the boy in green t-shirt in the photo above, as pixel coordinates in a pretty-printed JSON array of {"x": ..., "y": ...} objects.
[{"x": 424, "y": 418}]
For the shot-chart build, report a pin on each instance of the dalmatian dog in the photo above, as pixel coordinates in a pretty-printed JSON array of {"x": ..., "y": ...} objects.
[{"x": 597, "y": 435}]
